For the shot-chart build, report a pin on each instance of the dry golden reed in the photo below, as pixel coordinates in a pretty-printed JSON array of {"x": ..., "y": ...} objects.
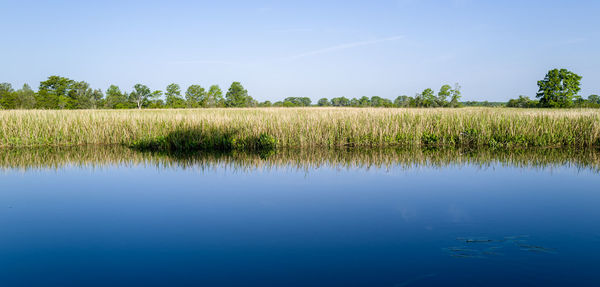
[{"x": 307, "y": 127}]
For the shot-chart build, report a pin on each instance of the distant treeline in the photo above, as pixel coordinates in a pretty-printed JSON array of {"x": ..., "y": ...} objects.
[
  {"x": 559, "y": 89},
  {"x": 592, "y": 101},
  {"x": 446, "y": 97},
  {"x": 63, "y": 93}
]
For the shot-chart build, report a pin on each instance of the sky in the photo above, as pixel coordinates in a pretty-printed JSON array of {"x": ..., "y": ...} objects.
[{"x": 495, "y": 50}]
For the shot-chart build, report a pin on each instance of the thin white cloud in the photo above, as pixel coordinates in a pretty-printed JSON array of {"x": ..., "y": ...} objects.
[{"x": 345, "y": 46}]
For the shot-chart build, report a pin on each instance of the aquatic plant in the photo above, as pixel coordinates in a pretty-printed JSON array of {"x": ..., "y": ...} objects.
[{"x": 304, "y": 128}]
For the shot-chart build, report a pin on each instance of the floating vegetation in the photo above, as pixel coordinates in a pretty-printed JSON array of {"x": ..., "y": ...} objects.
[{"x": 479, "y": 247}]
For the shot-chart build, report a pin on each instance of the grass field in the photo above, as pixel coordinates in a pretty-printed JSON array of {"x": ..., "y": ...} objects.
[{"x": 257, "y": 128}]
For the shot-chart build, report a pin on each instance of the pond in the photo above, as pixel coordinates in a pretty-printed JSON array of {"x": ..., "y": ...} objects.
[{"x": 98, "y": 216}]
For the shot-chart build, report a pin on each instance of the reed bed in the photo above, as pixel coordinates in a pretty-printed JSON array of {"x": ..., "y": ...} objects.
[{"x": 303, "y": 128}]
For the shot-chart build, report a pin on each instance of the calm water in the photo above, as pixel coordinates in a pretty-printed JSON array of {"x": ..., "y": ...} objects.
[{"x": 80, "y": 220}]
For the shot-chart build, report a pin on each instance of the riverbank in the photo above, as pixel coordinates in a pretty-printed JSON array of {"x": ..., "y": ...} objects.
[{"x": 258, "y": 128}]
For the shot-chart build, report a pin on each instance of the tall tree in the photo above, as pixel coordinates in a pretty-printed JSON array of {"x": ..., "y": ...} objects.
[
  {"x": 323, "y": 102},
  {"x": 174, "y": 98},
  {"x": 455, "y": 96},
  {"x": 7, "y": 96},
  {"x": 25, "y": 98},
  {"x": 214, "y": 97},
  {"x": 402, "y": 101},
  {"x": 237, "y": 96},
  {"x": 97, "y": 99},
  {"x": 558, "y": 88},
  {"x": 428, "y": 98},
  {"x": 340, "y": 102},
  {"x": 82, "y": 95},
  {"x": 443, "y": 95},
  {"x": 141, "y": 94},
  {"x": 115, "y": 99},
  {"x": 265, "y": 104},
  {"x": 364, "y": 101},
  {"x": 297, "y": 101},
  {"x": 377, "y": 101},
  {"x": 155, "y": 101},
  {"x": 195, "y": 96},
  {"x": 55, "y": 93}
]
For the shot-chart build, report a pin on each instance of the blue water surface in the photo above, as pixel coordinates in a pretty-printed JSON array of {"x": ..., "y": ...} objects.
[{"x": 455, "y": 225}]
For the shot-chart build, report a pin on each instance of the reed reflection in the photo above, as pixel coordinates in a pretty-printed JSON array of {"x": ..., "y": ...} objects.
[{"x": 307, "y": 159}]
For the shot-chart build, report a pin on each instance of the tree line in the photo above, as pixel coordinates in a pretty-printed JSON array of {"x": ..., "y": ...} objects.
[
  {"x": 558, "y": 89},
  {"x": 447, "y": 96},
  {"x": 63, "y": 93}
]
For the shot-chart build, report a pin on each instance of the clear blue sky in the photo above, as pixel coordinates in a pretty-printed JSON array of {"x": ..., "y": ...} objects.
[{"x": 496, "y": 50}]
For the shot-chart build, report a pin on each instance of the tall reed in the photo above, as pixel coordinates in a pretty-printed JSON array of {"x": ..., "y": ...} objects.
[{"x": 305, "y": 127}]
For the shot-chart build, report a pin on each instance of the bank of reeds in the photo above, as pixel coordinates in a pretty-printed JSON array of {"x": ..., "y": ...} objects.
[{"x": 255, "y": 128}]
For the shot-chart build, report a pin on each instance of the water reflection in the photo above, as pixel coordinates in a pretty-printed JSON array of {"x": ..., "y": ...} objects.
[
  {"x": 302, "y": 159},
  {"x": 115, "y": 216}
]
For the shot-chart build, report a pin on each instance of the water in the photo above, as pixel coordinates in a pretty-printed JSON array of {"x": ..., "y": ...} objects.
[{"x": 98, "y": 217}]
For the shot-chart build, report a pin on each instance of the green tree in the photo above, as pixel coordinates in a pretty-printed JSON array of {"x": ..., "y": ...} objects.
[
  {"x": 364, "y": 102},
  {"x": 25, "y": 98},
  {"x": 297, "y": 102},
  {"x": 306, "y": 101},
  {"x": 340, "y": 102},
  {"x": 594, "y": 99},
  {"x": 558, "y": 88},
  {"x": 402, "y": 101},
  {"x": 323, "y": 102},
  {"x": 521, "y": 102},
  {"x": 214, "y": 97},
  {"x": 55, "y": 93},
  {"x": 141, "y": 95},
  {"x": 380, "y": 102},
  {"x": 154, "y": 101},
  {"x": 443, "y": 95},
  {"x": 174, "y": 98},
  {"x": 265, "y": 104},
  {"x": 82, "y": 95},
  {"x": 237, "y": 96},
  {"x": 455, "y": 96},
  {"x": 115, "y": 99},
  {"x": 195, "y": 96},
  {"x": 428, "y": 98},
  {"x": 97, "y": 99},
  {"x": 579, "y": 101},
  {"x": 8, "y": 98}
]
